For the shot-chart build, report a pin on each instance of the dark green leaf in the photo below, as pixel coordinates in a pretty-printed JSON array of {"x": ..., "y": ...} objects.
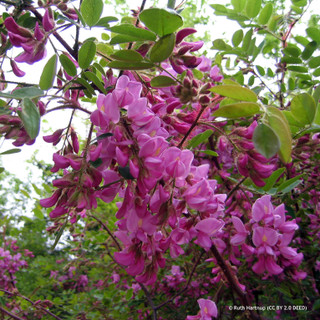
[
  {"x": 316, "y": 73},
  {"x": 290, "y": 184},
  {"x": 91, "y": 11},
  {"x": 265, "y": 14},
  {"x": 291, "y": 60},
  {"x": 1, "y": 169},
  {"x": 125, "y": 173},
  {"x": 163, "y": 48},
  {"x": 161, "y": 21},
  {"x": 85, "y": 83},
  {"x": 86, "y": 54},
  {"x": 30, "y": 117},
  {"x": 266, "y": 140},
  {"x": 200, "y": 138},
  {"x": 11, "y": 151},
  {"x": 104, "y": 135},
  {"x": 48, "y": 73},
  {"x": 261, "y": 70},
  {"x": 292, "y": 50},
  {"x": 138, "y": 34},
  {"x": 162, "y": 82},
  {"x": 253, "y": 8},
  {"x": 278, "y": 122},
  {"x": 124, "y": 65},
  {"x": 127, "y": 55},
  {"x": 309, "y": 50},
  {"x": 270, "y": 182},
  {"x": 68, "y": 65},
  {"x": 237, "y": 37},
  {"x": 237, "y": 110},
  {"x": 95, "y": 80},
  {"x": 235, "y": 92},
  {"x": 97, "y": 163}
]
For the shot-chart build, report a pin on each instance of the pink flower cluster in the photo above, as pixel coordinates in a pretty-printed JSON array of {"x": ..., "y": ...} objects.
[{"x": 272, "y": 234}]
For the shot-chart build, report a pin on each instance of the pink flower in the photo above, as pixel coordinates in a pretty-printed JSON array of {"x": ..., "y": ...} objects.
[
  {"x": 261, "y": 208},
  {"x": 126, "y": 91},
  {"x": 208, "y": 309},
  {"x": 266, "y": 263},
  {"x": 241, "y": 235},
  {"x": 207, "y": 228}
]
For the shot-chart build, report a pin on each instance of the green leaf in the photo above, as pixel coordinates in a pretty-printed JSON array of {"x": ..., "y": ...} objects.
[
  {"x": 38, "y": 213},
  {"x": 163, "y": 48},
  {"x": 316, "y": 97},
  {"x": 292, "y": 50},
  {"x": 298, "y": 69},
  {"x": 303, "y": 108},
  {"x": 247, "y": 40},
  {"x": 91, "y": 11},
  {"x": 290, "y": 184},
  {"x": 162, "y": 82},
  {"x": 291, "y": 60},
  {"x": 85, "y": 83},
  {"x": 265, "y": 14},
  {"x": 68, "y": 65},
  {"x": 261, "y": 70},
  {"x": 48, "y": 73},
  {"x": 235, "y": 92},
  {"x": 161, "y": 21},
  {"x": 104, "y": 22},
  {"x": 200, "y": 138},
  {"x": 278, "y": 122},
  {"x": 313, "y": 33},
  {"x": 295, "y": 126},
  {"x": 300, "y": 3},
  {"x": 59, "y": 234},
  {"x": 127, "y": 55},
  {"x": 316, "y": 72},
  {"x": 237, "y": 37},
  {"x": 309, "y": 50},
  {"x": 86, "y": 54},
  {"x": 314, "y": 62},
  {"x": 1, "y": 169},
  {"x": 237, "y": 110},
  {"x": 316, "y": 305},
  {"x": 219, "y": 44},
  {"x": 26, "y": 92},
  {"x": 238, "y": 5},
  {"x": 270, "y": 182},
  {"x": 126, "y": 65},
  {"x": 266, "y": 140},
  {"x": 30, "y": 117},
  {"x": 210, "y": 153},
  {"x": 10, "y": 151},
  {"x": 138, "y": 34},
  {"x": 125, "y": 173},
  {"x": 253, "y": 8},
  {"x": 95, "y": 80}
]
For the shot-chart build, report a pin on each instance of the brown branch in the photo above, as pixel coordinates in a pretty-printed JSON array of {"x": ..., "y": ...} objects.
[
  {"x": 69, "y": 107},
  {"x": 109, "y": 232},
  {"x": 233, "y": 282},
  {"x": 10, "y": 314}
]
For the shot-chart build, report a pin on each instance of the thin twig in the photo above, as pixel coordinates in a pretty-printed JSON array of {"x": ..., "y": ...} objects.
[{"x": 10, "y": 314}]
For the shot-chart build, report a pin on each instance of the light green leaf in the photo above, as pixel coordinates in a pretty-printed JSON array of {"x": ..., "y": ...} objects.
[
  {"x": 238, "y": 5},
  {"x": 127, "y": 55},
  {"x": 235, "y": 92},
  {"x": 253, "y": 8},
  {"x": 278, "y": 122},
  {"x": 126, "y": 65},
  {"x": 314, "y": 62},
  {"x": 313, "y": 33},
  {"x": 298, "y": 69},
  {"x": 48, "y": 73},
  {"x": 162, "y": 82},
  {"x": 104, "y": 22},
  {"x": 91, "y": 11},
  {"x": 163, "y": 48},
  {"x": 237, "y": 110},
  {"x": 130, "y": 30},
  {"x": 316, "y": 97},
  {"x": 86, "y": 54},
  {"x": 265, "y": 14},
  {"x": 290, "y": 184},
  {"x": 26, "y": 92},
  {"x": 161, "y": 21},
  {"x": 303, "y": 108},
  {"x": 68, "y": 65},
  {"x": 30, "y": 117},
  {"x": 266, "y": 140},
  {"x": 210, "y": 153}
]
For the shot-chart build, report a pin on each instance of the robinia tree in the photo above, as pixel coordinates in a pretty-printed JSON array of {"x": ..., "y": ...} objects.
[{"x": 194, "y": 192}]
